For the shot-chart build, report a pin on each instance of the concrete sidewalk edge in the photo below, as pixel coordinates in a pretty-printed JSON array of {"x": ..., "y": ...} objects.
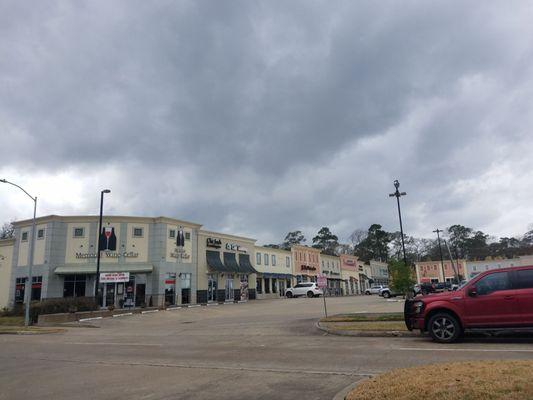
[
  {"x": 341, "y": 394},
  {"x": 366, "y": 333}
]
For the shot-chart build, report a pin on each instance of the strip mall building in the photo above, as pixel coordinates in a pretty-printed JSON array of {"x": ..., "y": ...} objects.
[{"x": 156, "y": 261}]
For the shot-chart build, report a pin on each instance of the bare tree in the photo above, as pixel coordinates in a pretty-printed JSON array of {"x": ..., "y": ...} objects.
[{"x": 7, "y": 230}]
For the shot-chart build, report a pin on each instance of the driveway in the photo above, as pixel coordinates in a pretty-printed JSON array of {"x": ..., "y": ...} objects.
[{"x": 265, "y": 349}]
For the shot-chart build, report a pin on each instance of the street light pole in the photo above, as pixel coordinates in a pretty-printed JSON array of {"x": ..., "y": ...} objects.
[
  {"x": 97, "y": 284},
  {"x": 399, "y": 194},
  {"x": 28, "y": 286},
  {"x": 437, "y": 231}
]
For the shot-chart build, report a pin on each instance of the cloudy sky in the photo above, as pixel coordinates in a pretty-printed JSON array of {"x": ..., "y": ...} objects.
[{"x": 257, "y": 118}]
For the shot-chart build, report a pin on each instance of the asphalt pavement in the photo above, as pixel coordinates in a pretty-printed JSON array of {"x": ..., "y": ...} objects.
[{"x": 264, "y": 349}]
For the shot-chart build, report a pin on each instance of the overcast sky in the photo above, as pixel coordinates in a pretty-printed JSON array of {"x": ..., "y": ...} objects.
[{"x": 257, "y": 118}]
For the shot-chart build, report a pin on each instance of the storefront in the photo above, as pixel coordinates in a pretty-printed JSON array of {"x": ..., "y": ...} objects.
[
  {"x": 225, "y": 271},
  {"x": 349, "y": 274},
  {"x": 306, "y": 263},
  {"x": 274, "y": 272}
]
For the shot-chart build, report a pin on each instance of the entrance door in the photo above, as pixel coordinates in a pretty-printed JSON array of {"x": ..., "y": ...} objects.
[
  {"x": 212, "y": 287},
  {"x": 282, "y": 287},
  {"x": 229, "y": 287},
  {"x": 185, "y": 288},
  {"x": 140, "y": 295},
  {"x": 109, "y": 295}
]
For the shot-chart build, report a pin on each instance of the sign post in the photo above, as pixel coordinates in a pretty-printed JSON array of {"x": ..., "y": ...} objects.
[{"x": 322, "y": 283}]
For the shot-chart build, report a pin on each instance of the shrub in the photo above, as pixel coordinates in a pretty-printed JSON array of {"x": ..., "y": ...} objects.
[{"x": 61, "y": 305}]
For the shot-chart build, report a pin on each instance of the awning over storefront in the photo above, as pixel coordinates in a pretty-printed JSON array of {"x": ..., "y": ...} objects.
[
  {"x": 276, "y": 276},
  {"x": 213, "y": 261},
  {"x": 77, "y": 269},
  {"x": 244, "y": 263},
  {"x": 231, "y": 262}
]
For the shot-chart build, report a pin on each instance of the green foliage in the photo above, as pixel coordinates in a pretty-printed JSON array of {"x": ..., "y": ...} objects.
[
  {"x": 401, "y": 277},
  {"x": 326, "y": 241},
  {"x": 292, "y": 239},
  {"x": 61, "y": 305},
  {"x": 375, "y": 245}
]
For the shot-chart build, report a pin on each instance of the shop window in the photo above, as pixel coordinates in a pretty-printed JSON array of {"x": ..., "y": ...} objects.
[
  {"x": 259, "y": 286},
  {"x": 187, "y": 235},
  {"x": 24, "y": 236},
  {"x": 37, "y": 283},
  {"x": 266, "y": 259},
  {"x": 20, "y": 287},
  {"x": 138, "y": 232},
  {"x": 74, "y": 286},
  {"x": 258, "y": 258},
  {"x": 40, "y": 234},
  {"x": 79, "y": 232},
  {"x": 267, "y": 285},
  {"x": 172, "y": 234},
  {"x": 274, "y": 286},
  {"x": 273, "y": 260}
]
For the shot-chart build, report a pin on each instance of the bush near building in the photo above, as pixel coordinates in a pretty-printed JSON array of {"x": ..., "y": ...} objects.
[{"x": 61, "y": 305}]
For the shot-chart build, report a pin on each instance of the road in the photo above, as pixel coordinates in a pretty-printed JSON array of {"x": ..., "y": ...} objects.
[{"x": 267, "y": 349}]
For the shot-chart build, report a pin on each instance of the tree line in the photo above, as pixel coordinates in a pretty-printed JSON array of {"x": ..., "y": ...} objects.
[{"x": 375, "y": 243}]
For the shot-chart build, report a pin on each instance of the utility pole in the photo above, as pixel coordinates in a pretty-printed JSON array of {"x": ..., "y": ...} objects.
[
  {"x": 438, "y": 231},
  {"x": 97, "y": 280},
  {"x": 399, "y": 194}
]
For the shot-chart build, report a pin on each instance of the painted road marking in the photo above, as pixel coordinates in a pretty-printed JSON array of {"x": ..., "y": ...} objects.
[
  {"x": 121, "y": 315},
  {"x": 149, "y": 311},
  {"x": 462, "y": 350},
  {"x": 115, "y": 344},
  {"x": 89, "y": 319}
]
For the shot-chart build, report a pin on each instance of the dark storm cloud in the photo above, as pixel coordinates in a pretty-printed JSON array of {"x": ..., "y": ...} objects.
[{"x": 262, "y": 117}]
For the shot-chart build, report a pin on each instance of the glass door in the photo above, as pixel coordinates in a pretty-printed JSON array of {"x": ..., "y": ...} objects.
[
  {"x": 211, "y": 287},
  {"x": 229, "y": 287},
  {"x": 109, "y": 295}
]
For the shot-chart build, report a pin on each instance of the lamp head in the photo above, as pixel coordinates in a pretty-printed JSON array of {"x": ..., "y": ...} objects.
[
  {"x": 396, "y": 184},
  {"x": 3, "y": 180},
  {"x": 106, "y": 191}
]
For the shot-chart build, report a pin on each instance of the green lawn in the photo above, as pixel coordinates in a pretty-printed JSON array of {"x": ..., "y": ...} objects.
[{"x": 12, "y": 321}]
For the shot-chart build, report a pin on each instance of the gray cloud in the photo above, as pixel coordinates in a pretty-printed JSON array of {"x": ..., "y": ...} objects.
[{"x": 262, "y": 117}]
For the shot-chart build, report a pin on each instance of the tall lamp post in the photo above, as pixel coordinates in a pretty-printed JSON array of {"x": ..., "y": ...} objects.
[
  {"x": 28, "y": 286},
  {"x": 399, "y": 194},
  {"x": 97, "y": 285},
  {"x": 437, "y": 231}
]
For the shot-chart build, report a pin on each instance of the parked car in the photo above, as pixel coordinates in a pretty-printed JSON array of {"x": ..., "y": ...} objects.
[
  {"x": 423, "y": 288},
  {"x": 388, "y": 292},
  {"x": 492, "y": 301},
  {"x": 374, "y": 289},
  {"x": 309, "y": 289}
]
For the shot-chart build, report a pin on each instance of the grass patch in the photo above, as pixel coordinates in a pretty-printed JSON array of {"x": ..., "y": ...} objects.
[
  {"x": 12, "y": 321},
  {"x": 367, "y": 326},
  {"x": 476, "y": 380},
  {"x": 364, "y": 317}
]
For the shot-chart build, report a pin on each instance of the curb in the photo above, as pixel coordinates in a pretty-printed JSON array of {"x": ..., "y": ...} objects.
[
  {"x": 341, "y": 394},
  {"x": 366, "y": 333}
]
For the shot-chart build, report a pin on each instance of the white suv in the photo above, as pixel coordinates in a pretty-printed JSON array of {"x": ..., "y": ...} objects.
[
  {"x": 375, "y": 289},
  {"x": 309, "y": 289}
]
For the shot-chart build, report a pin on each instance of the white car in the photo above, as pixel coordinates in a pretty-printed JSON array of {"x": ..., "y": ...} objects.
[
  {"x": 309, "y": 289},
  {"x": 375, "y": 289}
]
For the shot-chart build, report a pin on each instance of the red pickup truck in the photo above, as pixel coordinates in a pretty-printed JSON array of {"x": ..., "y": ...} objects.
[{"x": 500, "y": 299}]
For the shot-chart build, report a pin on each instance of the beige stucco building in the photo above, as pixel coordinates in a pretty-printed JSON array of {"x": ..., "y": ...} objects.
[
  {"x": 225, "y": 271},
  {"x": 6, "y": 253},
  {"x": 349, "y": 274},
  {"x": 431, "y": 271},
  {"x": 330, "y": 266},
  {"x": 274, "y": 272}
]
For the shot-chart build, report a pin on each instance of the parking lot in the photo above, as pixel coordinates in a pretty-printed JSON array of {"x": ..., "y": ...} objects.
[{"x": 268, "y": 349}]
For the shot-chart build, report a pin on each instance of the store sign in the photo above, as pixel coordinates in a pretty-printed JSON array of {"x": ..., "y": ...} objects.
[
  {"x": 308, "y": 268},
  {"x": 235, "y": 247},
  {"x": 109, "y": 254},
  {"x": 113, "y": 277},
  {"x": 180, "y": 253},
  {"x": 214, "y": 242},
  {"x": 349, "y": 262}
]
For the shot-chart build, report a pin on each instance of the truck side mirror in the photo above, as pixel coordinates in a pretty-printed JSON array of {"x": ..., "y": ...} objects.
[{"x": 472, "y": 291}]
